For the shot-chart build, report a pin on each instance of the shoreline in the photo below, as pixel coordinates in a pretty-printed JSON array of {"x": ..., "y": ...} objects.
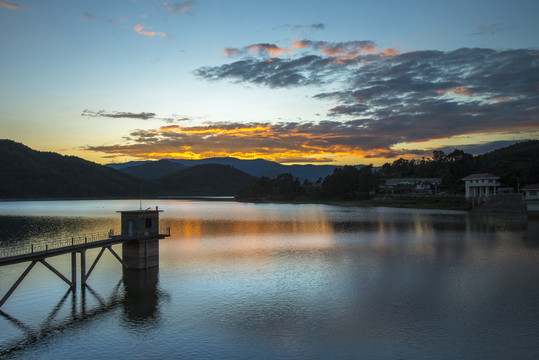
[
  {"x": 422, "y": 203},
  {"x": 400, "y": 202}
]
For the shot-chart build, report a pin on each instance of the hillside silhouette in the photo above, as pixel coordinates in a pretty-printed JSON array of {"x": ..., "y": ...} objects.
[{"x": 26, "y": 173}]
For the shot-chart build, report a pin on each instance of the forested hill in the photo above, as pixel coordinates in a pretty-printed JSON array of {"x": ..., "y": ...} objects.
[
  {"x": 517, "y": 163},
  {"x": 26, "y": 173},
  {"x": 207, "y": 179},
  {"x": 29, "y": 174}
]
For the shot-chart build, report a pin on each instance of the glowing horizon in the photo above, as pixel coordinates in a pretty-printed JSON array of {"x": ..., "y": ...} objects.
[{"x": 204, "y": 78}]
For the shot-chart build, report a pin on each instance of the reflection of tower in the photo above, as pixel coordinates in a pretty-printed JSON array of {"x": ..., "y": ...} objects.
[
  {"x": 140, "y": 254},
  {"x": 141, "y": 295},
  {"x": 141, "y": 230}
]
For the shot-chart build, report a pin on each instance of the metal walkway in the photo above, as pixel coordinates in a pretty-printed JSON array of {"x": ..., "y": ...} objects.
[
  {"x": 39, "y": 252},
  {"x": 21, "y": 253}
]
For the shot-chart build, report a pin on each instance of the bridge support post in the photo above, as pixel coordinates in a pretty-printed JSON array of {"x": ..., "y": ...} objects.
[
  {"x": 74, "y": 269},
  {"x": 83, "y": 267},
  {"x": 17, "y": 283}
]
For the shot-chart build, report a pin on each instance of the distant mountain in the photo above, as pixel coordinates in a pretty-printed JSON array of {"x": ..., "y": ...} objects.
[
  {"x": 152, "y": 170},
  {"x": 27, "y": 173},
  {"x": 119, "y": 166},
  {"x": 206, "y": 179},
  {"x": 256, "y": 167}
]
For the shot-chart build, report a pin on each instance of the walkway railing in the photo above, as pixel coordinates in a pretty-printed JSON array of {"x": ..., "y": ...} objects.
[
  {"x": 44, "y": 246},
  {"x": 16, "y": 250}
]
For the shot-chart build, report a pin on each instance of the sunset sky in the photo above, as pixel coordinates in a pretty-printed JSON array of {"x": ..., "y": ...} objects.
[{"x": 335, "y": 82}]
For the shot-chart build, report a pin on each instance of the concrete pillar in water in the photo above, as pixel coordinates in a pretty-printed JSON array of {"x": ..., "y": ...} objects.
[{"x": 141, "y": 229}]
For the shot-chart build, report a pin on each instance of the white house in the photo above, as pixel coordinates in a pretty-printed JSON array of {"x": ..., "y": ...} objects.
[
  {"x": 531, "y": 192},
  {"x": 419, "y": 184},
  {"x": 481, "y": 185}
]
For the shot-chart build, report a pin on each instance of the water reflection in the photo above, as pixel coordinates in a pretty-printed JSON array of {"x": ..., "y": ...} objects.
[
  {"x": 141, "y": 296},
  {"x": 24, "y": 230},
  {"x": 435, "y": 236},
  {"x": 79, "y": 313},
  {"x": 532, "y": 238},
  {"x": 138, "y": 299},
  {"x": 284, "y": 281}
]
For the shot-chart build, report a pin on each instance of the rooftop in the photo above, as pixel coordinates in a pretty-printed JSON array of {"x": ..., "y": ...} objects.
[
  {"x": 140, "y": 211},
  {"x": 480, "y": 176}
]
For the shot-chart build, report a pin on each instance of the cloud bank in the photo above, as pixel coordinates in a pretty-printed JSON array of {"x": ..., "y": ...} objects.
[
  {"x": 405, "y": 97},
  {"x": 117, "y": 114},
  {"x": 377, "y": 100}
]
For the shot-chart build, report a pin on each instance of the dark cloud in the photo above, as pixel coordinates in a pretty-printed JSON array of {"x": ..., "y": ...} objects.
[
  {"x": 355, "y": 109},
  {"x": 277, "y": 141},
  {"x": 171, "y": 120},
  {"x": 408, "y": 97},
  {"x": 179, "y": 7},
  {"x": 88, "y": 17},
  {"x": 489, "y": 29},
  {"x": 174, "y": 118},
  {"x": 318, "y": 26},
  {"x": 307, "y": 70},
  {"x": 379, "y": 100},
  {"x": 117, "y": 114},
  {"x": 288, "y": 142}
]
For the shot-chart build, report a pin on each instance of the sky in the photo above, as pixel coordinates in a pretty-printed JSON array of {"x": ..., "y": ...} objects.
[{"x": 297, "y": 82}]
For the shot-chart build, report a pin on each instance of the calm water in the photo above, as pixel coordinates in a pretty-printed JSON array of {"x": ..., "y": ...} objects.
[{"x": 245, "y": 281}]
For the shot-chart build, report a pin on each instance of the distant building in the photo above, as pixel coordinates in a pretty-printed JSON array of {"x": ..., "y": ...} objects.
[
  {"x": 531, "y": 192},
  {"x": 414, "y": 184},
  {"x": 481, "y": 185}
]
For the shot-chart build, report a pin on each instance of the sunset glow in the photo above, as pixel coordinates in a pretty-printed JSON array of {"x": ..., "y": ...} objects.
[{"x": 111, "y": 81}]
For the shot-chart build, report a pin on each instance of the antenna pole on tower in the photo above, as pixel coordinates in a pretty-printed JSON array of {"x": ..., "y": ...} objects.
[{"x": 140, "y": 201}]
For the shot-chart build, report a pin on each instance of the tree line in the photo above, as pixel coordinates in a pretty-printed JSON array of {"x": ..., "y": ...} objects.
[{"x": 516, "y": 165}]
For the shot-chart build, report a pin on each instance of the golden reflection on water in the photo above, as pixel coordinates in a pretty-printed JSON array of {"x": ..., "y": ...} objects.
[
  {"x": 384, "y": 234},
  {"x": 226, "y": 239}
]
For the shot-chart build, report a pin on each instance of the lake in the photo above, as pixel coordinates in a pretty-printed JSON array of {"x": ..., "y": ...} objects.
[{"x": 276, "y": 281}]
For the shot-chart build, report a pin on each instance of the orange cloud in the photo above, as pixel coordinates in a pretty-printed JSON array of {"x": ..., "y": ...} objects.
[
  {"x": 332, "y": 51},
  {"x": 271, "y": 49},
  {"x": 218, "y": 131},
  {"x": 351, "y": 50},
  {"x": 231, "y": 52},
  {"x": 277, "y": 142},
  {"x": 458, "y": 90},
  {"x": 501, "y": 99},
  {"x": 390, "y": 52},
  {"x": 140, "y": 30},
  {"x": 11, "y": 6},
  {"x": 301, "y": 44}
]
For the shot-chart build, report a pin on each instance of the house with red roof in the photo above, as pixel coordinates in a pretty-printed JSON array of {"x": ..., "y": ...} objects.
[{"x": 481, "y": 185}]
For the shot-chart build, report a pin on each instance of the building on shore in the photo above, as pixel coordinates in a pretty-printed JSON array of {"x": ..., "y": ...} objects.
[
  {"x": 531, "y": 192},
  {"x": 417, "y": 185},
  {"x": 481, "y": 185}
]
